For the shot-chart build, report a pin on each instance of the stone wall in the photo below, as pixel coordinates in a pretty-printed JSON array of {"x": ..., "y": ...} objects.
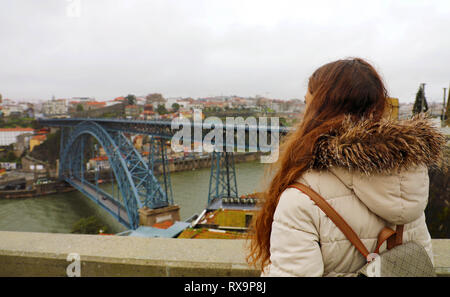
[{"x": 45, "y": 254}]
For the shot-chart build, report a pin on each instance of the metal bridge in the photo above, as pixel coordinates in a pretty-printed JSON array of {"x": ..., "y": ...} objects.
[{"x": 135, "y": 182}]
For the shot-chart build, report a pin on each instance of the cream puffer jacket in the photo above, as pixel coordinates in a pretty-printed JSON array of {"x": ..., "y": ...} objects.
[{"x": 374, "y": 175}]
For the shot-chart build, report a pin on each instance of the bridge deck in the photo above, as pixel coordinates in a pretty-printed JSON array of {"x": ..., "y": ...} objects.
[
  {"x": 103, "y": 200},
  {"x": 160, "y": 128}
]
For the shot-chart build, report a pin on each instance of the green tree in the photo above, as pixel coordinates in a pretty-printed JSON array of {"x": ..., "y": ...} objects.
[
  {"x": 437, "y": 212},
  {"x": 79, "y": 107},
  {"x": 131, "y": 99},
  {"x": 283, "y": 122},
  {"x": 175, "y": 107},
  {"x": 9, "y": 157},
  {"x": 13, "y": 122},
  {"x": 418, "y": 107},
  {"x": 447, "y": 111},
  {"x": 89, "y": 225},
  {"x": 161, "y": 109},
  {"x": 48, "y": 150}
]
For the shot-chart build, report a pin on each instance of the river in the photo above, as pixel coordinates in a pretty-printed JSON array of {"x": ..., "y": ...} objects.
[{"x": 58, "y": 212}]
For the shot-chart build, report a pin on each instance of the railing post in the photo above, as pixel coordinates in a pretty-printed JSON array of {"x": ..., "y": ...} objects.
[
  {"x": 82, "y": 159},
  {"x": 61, "y": 150}
]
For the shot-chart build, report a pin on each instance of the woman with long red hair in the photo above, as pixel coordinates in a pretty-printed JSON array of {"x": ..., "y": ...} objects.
[{"x": 371, "y": 169}]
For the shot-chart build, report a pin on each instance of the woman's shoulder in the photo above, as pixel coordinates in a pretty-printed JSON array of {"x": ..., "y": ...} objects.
[
  {"x": 329, "y": 183},
  {"x": 294, "y": 206}
]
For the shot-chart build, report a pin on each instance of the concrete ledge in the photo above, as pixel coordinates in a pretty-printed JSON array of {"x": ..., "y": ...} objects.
[
  {"x": 441, "y": 251},
  {"x": 45, "y": 254}
]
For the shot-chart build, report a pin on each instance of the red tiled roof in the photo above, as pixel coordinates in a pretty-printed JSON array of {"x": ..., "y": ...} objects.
[
  {"x": 95, "y": 103},
  {"x": 43, "y": 131},
  {"x": 100, "y": 158},
  {"x": 39, "y": 137},
  {"x": 16, "y": 129}
]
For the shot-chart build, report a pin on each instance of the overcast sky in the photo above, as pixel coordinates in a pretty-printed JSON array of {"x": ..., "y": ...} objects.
[{"x": 196, "y": 48}]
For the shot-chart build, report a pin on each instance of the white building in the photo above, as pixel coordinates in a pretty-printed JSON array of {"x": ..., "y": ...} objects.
[
  {"x": 55, "y": 107},
  {"x": 171, "y": 101},
  {"x": 8, "y": 135},
  {"x": 9, "y": 110},
  {"x": 141, "y": 101},
  {"x": 83, "y": 99}
]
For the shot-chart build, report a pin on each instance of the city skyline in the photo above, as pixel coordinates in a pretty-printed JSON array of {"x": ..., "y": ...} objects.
[{"x": 203, "y": 48}]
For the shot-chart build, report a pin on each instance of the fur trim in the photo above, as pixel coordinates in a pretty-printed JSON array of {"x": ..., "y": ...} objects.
[{"x": 380, "y": 147}]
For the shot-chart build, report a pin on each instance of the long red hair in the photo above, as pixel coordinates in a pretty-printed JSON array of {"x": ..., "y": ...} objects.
[{"x": 349, "y": 87}]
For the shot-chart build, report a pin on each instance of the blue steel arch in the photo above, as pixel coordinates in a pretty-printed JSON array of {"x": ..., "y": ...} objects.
[{"x": 135, "y": 181}]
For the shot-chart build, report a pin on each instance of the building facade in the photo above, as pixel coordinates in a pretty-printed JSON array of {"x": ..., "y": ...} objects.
[
  {"x": 8, "y": 136},
  {"x": 55, "y": 107}
]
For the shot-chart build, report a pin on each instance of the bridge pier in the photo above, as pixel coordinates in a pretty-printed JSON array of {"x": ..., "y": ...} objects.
[{"x": 149, "y": 216}]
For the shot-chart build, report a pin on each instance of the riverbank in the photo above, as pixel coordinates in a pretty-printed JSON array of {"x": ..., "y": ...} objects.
[
  {"x": 174, "y": 165},
  {"x": 191, "y": 163},
  {"x": 55, "y": 187}
]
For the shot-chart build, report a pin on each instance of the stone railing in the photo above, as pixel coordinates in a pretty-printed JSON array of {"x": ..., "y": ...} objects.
[{"x": 46, "y": 254}]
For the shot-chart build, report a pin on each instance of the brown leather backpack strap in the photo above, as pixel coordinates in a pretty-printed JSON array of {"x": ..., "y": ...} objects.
[
  {"x": 397, "y": 239},
  {"x": 393, "y": 238},
  {"x": 399, "y": 234},
  {"x": 384, "y": 235},
  {"x": 334, "y": 216}
]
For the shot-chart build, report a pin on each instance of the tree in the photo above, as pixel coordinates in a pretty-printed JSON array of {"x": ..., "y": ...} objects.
[
  {"x": 161, "y": 109},
  {"x": 90, "y": 225},
  {"x": 418, "y": 107},
  {"x": 447, "y": 111},
  {"x": 49, "y": 149},
  {"x": 80, "y": 107},
  {"x": 10, "y": 157},
  {"x": 131, "y": 99},
  {"x": 175, "y": 107},
  {"x": 437, "y": 212}
]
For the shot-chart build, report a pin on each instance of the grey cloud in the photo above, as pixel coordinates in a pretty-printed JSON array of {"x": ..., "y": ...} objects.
[{"x": 204, "y": 48}]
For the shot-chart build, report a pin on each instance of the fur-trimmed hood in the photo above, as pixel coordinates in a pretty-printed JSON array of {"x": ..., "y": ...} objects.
[
  {"x": 380, "y": 147},
  {"x": 384, "y": 163}
]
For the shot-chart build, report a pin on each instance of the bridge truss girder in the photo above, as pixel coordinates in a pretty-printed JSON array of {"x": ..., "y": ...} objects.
[{"x": 137, "y": 184}]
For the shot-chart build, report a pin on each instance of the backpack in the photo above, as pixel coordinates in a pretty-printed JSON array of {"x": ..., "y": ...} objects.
[{"x": 399, "y": 260}]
